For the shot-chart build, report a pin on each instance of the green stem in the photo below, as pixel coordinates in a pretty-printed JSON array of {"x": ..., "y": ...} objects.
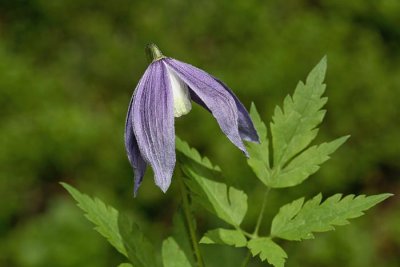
[
  {"x": 261, "y": 215},
  {"x": 244, "y": 232},
  {"x": 153, "y": 53},
  {"x": 257, "y": 228},
  {"x": 189, "y": 221}
]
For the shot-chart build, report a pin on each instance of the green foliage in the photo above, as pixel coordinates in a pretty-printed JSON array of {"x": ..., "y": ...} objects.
[
  {"x": 193, "y": 157},
  {"x": 104, "y": 217},
  {"x": 268, "y": 250},
  {"x": 172, "y": 255},
  {"x": 294, "y": 125},
  {"x": 228, "y": 203},
  {"x": 259, "y": 153},
  {"x": 180, "y": 235},
  {"x": 293, "y": 129},
  {"x": 125, "y": 236},
  {"x": 295, "y": 221},
  {"x": 65, "y": 85},
  {"x": 125, "y": 265},
  {"x": 224, "y": 236},
  {"x": 139, "y": 249},
  {"x": 298, "y": 220},
  {"x": 306, "y": 163}
]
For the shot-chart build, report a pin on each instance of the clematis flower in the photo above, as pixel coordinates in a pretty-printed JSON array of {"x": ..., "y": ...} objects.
[{"x": 165, "y": 92}]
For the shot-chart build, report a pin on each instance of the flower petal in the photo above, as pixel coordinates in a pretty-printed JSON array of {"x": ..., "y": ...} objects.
[
  {"x": 247, "y": 130},
  {"x": 153, "y": 122},
  {"x": 214, "y": 96},
  {"x": 133, "y": 152}
]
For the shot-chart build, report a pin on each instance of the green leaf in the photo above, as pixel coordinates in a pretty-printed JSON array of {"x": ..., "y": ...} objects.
[
  {"x": 191, "y": 153},
  {"x": 172, "y": 255},
  {"x": 306, "y": 164},
  {"x": 268, "y": 250},
  {"x": 104, "y": 217},
  {"x": 259, "y": 153},
  {"x": 125, "y": 265},
  {"x": 293, "y": 129},
  {"x": 297, "y": 221},
  {"x": 228, "y": 203},
  {"x": 294, "y": 126},
  {"x": 224, "y": 236},
  {"x": 139, "y": 249}
]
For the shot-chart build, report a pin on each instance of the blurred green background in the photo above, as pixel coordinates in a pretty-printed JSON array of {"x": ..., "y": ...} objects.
[{"x": 67, "y": 72}]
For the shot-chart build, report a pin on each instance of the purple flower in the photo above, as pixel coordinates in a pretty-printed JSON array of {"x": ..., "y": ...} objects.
[{"x": 164, "y": 92}]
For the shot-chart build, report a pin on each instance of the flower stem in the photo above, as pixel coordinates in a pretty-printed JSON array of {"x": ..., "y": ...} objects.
[
  {"x": 153, "y": 53},
  {"x": 189, "y": 221},
  {"x": 261, "y": 215}
]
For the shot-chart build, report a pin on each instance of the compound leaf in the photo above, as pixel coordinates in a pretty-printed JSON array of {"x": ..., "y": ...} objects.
[
  {"x": 293, "y": 128},
  {"x": 298, "y": 220}
]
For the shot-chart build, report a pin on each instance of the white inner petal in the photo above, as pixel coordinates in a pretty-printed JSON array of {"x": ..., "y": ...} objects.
[{"x": 180, "y": 91}]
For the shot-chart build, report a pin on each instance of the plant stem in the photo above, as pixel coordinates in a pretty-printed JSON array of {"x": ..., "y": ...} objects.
[
  {"x": 244, "y": 232},
  {"x": 261, "y": 215},
  {"x": 257, "y": 228},
  {"x": 189, "y": 221}
]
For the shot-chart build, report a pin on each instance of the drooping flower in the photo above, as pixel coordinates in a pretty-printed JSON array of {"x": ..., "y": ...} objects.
[{"x": 164, "y": 92}]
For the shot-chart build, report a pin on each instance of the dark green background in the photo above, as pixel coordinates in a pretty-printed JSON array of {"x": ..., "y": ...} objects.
[{"x": 67, "y": 72}]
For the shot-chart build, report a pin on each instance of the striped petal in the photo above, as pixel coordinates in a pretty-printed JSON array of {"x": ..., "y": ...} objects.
[
  {"x": 133, "y": 152},
  {"x": 214, "y": 96},
  {"x": 247, "y": 130},
  {"x": 153, "y": 122}
]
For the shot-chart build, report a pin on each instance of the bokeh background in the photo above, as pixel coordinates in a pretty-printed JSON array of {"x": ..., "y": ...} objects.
[{"x": 67, "y": 72}]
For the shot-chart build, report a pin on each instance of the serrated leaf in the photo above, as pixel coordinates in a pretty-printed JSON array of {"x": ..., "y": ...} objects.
[
  {"x": 139, "y": 249},
  {"x": 294, "y": 126},
  {"x": 259, "y": 153},
  {"x": 297, "y": 221},
  {"x": 172, "y": 255},
  {"x": 191, "y": 153},
  {"x": 306, "y": 164},
  {"x": 228, "y": 203},
  {"x": 268, "y": 250},
  {"x": 224, "y": 236},
  {"x": 104, "y": 217},
  {"x": 125, "y": 265},
  {"x": 293, "y": 129}
]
